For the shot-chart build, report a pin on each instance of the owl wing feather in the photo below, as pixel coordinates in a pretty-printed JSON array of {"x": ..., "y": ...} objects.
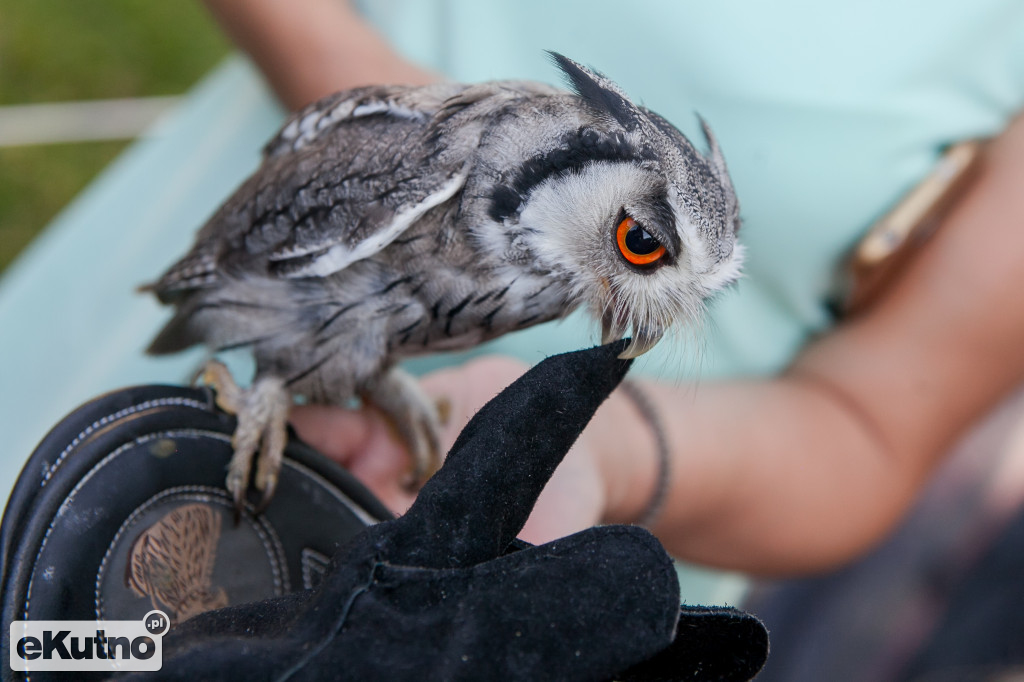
[{"x": 342, "y": 179}]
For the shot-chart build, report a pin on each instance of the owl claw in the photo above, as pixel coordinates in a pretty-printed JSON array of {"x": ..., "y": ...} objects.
[
  {"x": 266, "y": 482},
  {"x": 236, "y": 485},
  {"x": 268, "y": 465},
  {"x": 268, "y": 494},
  {"x": 262, "y": 413}
]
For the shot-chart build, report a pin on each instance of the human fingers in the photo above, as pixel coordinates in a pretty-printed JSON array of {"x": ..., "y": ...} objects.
[{"x": 335, "y": 432}]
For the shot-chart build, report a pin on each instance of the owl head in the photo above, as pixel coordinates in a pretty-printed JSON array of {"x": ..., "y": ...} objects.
[{"x": 640, "y": 224}]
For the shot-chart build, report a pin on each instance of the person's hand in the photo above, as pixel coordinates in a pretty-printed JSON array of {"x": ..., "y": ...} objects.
[
  {"x": 364, "y": 443},
  {"x": 308, "y": 49}
]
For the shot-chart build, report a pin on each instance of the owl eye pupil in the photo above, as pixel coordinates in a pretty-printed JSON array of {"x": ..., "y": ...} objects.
[
  {"x": 636, "y": 244},
  {"x": 639, "y": 241}
]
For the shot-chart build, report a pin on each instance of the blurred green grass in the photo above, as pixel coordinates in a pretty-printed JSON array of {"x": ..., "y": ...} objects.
[{"x": 64, "y": 50}]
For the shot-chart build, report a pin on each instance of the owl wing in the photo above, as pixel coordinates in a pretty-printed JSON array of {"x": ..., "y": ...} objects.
[{"x": 343, "y": 178}]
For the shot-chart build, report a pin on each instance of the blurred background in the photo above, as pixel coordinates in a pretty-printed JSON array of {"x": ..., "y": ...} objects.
[{"x": 78, "y": 81}]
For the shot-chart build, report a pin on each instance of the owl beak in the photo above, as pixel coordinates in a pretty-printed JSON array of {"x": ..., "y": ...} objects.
[
  {"x": 644, "y": 339},
  {"x": 613, "y": 327}
]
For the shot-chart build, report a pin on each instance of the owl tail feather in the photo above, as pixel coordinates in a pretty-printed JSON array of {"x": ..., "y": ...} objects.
[{"x": 177, "y": 335}]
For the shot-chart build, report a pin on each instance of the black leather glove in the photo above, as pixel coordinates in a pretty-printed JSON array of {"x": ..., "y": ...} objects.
[{"x": 446, "y": 592}]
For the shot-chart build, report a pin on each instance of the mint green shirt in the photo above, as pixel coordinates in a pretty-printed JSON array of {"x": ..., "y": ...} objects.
[{"x": 827, "y": 112}]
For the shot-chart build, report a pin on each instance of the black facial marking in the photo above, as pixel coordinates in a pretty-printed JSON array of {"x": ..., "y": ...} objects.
[
  {"x": 505, "y": 201},
  {"x": 576, "y": 150},
  {"x": 663, "y": 224}
]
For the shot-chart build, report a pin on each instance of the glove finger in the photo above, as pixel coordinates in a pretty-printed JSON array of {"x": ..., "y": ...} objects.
[
  {"x": 480, "y": 499},
  {"x": 713, "y": 642},
  {"x": 578, "y": 608}
]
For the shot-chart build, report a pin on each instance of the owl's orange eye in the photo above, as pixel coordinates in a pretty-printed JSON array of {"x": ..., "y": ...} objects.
[{"x": 636, "y": 244}]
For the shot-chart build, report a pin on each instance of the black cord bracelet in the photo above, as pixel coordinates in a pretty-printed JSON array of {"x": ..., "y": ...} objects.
[{"x": 661, "y": 483}]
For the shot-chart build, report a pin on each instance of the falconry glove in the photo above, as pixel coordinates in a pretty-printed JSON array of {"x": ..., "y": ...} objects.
[
  {"x": 444, "y": 592},
  {"x": 447, "y": 592}
]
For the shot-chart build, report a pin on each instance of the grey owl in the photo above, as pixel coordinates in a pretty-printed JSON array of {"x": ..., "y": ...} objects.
[{"x": 389, "y": 221}]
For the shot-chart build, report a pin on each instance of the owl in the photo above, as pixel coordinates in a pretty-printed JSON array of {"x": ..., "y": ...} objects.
[{"x": 387, "y": 222}]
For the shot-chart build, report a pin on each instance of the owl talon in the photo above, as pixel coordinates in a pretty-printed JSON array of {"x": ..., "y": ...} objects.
[
  {"x": 262, "y": 413},
  {"x": 236, "y": 485},
  {"x": 268, "y": 494},
  {"x": 266, "y": 481},
  {"x": 238, "y": 497}
]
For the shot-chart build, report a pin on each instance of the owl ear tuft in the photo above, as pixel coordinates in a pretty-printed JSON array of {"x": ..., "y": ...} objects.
[
  {"x": 714, "y": 152},
  {"x": 598, "y": 91},
  {"x": 717, "y": 160}
]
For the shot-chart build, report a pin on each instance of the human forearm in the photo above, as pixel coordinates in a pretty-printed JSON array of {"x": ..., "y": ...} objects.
[
  {"x": 774, "y": 476},
  {"x": 803, "y": 471},
  {"x": 308, "y": 49},
  {"x": 766, "y": 476}
]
